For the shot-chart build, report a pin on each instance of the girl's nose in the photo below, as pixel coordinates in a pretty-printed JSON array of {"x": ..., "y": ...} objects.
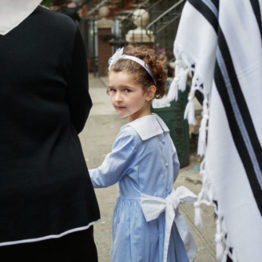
[{"x": 118, "y": 96}]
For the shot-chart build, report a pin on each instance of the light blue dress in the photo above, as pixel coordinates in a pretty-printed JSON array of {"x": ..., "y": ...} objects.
[{"x": 143, "y": 160}]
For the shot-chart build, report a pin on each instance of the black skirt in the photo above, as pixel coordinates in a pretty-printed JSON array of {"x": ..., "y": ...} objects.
[{"x": 74, "y": 247}]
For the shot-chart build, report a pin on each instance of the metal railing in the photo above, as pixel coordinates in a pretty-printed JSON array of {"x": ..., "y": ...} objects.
[
  {"x": 97, "y": 6},
  {"x": 165, "y": 19}
]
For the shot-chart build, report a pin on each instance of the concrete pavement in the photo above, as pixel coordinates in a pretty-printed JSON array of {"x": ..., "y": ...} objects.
[{"x": 97, "y": 138}]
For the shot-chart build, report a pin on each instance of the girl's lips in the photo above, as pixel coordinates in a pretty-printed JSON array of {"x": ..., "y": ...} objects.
[{"x": 119, "y": 107}]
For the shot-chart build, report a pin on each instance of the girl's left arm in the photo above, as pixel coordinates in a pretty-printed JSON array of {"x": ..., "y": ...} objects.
[{"x": 116, "y": 164}]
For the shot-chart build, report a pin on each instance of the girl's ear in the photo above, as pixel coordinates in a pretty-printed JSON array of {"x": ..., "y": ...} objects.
[{"x": 150, "y": 93}]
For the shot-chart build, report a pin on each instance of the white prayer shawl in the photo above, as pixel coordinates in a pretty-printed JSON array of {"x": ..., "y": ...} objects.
[
  {"x": 14, "y": 12},
  {"x": 220, "y": 41}
]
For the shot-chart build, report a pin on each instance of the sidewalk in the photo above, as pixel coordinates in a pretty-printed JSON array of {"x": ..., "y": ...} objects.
[{"x": 97, "y": 139}]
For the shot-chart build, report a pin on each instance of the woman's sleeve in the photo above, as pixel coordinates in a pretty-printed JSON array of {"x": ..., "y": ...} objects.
[
  {"x": 78, "y": 96},
  {"x": 116, "y": 164}
]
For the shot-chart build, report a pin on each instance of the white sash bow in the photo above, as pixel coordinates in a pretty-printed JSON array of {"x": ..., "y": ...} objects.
[{"x": 153, "y": 206}]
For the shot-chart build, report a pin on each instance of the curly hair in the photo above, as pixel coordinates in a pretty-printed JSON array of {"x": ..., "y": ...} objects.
[{"x": 150, "y": 58}]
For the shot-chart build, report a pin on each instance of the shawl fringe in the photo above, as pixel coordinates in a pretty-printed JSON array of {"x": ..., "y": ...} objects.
[{"x": 182, "y": 70}]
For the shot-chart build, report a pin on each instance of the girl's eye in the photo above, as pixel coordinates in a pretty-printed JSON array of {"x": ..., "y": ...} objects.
[
  {"x": 127, "y": 90},
  {"x": 111, "y": 90}
]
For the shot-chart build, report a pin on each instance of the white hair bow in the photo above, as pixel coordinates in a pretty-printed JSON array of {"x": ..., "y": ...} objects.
[{"x": 116, "y": 56}]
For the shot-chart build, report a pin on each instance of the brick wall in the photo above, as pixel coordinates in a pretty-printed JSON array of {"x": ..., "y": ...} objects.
[{"x": 104, "y": 50}]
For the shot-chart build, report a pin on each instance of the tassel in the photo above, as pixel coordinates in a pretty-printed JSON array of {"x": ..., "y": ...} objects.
[
  {"x": 198, "y": 214},
  {"x": 183, "y": 74},
  {"x": 182, "y": 70},
  {"x": 202, "y": 168},
  {"x": 190, "y": 111},
  {"x": 202, "y": 135},
  {"x": 203, "y": 129},
  {"x": 220, "y": 247},
  {"x": 179, "y": 82},
  {"x": 201, "y": 148},
  {"x": 173, "y": 90}
]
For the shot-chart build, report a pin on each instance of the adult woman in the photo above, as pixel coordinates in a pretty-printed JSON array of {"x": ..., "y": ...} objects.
[{"x": 47, "y": 203}]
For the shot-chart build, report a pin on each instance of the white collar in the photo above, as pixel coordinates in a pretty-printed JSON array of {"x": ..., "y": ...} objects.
[
  {"x": 149, "y": 126},
  {"x": 13, "y": 12}
]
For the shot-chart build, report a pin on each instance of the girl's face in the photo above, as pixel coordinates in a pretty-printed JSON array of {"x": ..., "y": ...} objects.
[{"x": 127, "y": 96}]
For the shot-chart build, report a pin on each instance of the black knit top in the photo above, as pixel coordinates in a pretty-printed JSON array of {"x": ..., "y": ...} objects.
[{"x": 45, "y": 189}]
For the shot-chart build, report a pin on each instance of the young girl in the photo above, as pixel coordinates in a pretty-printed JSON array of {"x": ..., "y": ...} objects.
[{"x": 144, "y": 163}]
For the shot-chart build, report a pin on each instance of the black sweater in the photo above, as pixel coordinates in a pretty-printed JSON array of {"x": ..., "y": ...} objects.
[{"x": 45, "y": 187}]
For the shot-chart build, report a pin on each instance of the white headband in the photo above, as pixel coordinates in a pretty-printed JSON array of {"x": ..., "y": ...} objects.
[{"x": 119, "y": 55}]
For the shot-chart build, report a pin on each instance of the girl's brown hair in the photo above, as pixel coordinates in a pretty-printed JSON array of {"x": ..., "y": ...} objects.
[{"x": 154, "y": 63}]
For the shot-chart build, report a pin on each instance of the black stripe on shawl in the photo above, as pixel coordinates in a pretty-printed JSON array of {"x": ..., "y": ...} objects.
[
  {"x": 206, "y": 12},
  {"x": 237, "y": 137},
  {"x": 242, "y": 105},
  {"x": 216, "y": 4},
  {"x": 256, "y": 10}
]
